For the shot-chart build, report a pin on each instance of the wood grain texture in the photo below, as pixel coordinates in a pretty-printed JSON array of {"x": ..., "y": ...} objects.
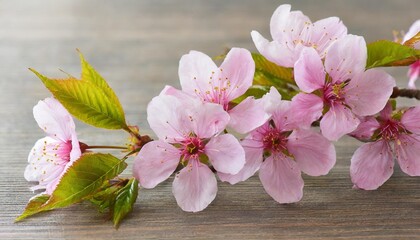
[{"x": 136, "y": 46}]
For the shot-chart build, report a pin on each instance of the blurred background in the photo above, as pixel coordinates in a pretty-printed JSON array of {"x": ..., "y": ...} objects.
[
  {"x": 135, "y": 43},
  {"x": 136, "y": 46}
]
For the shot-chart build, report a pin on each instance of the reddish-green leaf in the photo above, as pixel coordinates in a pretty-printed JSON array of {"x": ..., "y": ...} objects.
[
  {"x": 33, "y": 205},
  {"x": 269, "y": 74},
  {"x": 87, "y": 101},
  {"x": 89, "y": 74},
  {"x": 273, "y": 72},
  {"x": 413, "y": 40},
  {"x": 385, "y": 53}
]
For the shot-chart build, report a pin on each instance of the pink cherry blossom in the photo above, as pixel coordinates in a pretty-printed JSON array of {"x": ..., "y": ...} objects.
[
  {"x": 372, "y": 164},
  {"x": 189, "y": 133},
  {"x": 292, "y": 31},
  {"x": 413, "y": 74},
  {"x": 200, "y": 77},
  {"x": 52, "y": 155},
  {"x": 414, "y": 70},
  {"x": 340, "y": 87},
  {"x": 280, "y": 152}
]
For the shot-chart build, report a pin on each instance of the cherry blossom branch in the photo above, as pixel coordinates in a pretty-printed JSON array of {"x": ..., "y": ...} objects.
[
  {"x": 131, "y": 153},
  {"x": 84, "y": 147},
  {"x": 106, "y": 147},
  {"x": 408, "y": 93}
]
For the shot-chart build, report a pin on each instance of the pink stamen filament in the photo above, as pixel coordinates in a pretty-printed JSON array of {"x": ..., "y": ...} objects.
[
  {"x": 274, "y": 140},
  {"x": 218, "y": 91},
  {"x": 333, "y": 93},
  {"x": 390, "y": 130},
  {"x": 191, "y": 148}
]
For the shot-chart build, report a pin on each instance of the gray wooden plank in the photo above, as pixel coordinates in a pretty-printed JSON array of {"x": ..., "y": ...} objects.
[{"x": 136, "y": 46}]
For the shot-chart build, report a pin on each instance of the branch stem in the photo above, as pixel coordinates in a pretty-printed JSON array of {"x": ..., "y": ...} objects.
[
  {"x": 106, "y": 147},
  {"x": 408, "y": 93}
]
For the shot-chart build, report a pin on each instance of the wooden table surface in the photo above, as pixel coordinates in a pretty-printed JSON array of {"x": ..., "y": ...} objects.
[{"x": 136, "y": 46}]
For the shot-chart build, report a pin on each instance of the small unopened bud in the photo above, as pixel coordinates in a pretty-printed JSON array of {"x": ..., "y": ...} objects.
[{"x": 136, "y": 141}]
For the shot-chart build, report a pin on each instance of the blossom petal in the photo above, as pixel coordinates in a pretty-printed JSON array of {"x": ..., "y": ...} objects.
[
  {"x": 75, "y": 152},
  {"x": 314, "y": 154},
  {"x": 172, "y": 118},
  {"x": 274, "y": 51},
  {"x": 237, "y": 72},
  {"x": 281, "y": 116},
  {"x": 207, "y": 119},
  {"x": 386, "y": 113},
  {"x": 306, "y": 108},
  {"x": 411, "y": 120},
  {"x": 282, "y": 179},
  {"x": 413, "y": 73},
  {"x": 54, "y": 119},
  {"x": 338, "y": 121},
  {"x": 248, "y": 115},
  {"x": 52, "y": 185},
  {"x": 346, "y": 58},
  {"x": 156, "y": 161},
  {"x": 278, "y": 21},
  {"x": 194, "y": 187},
  {"x": 414, "y": 29},
  {"x": 195, "y": 71},
  {"x": 368, "y": 125},
  {"x": 171, "y": 91},
  {"x": 253, "y": 160},
  {"x": 368, "y": 92},
  {"x": 225, "y": 153},
  {"x": 271, "y": 100},
  {"x": 309, "y": 71},
  {"x": 44, "y": 163},
  {"x": 164, "y": 114},
  {"x": 326, "y": 32},
  {"x": 203, "y": 118},
  {"x": 407, "y": 148},
  {"x": 288, "y": 26},
  {"x": 371, "y": 165}
]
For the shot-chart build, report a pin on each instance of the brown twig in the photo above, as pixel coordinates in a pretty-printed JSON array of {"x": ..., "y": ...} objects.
[{"x": 408, "y": 93}]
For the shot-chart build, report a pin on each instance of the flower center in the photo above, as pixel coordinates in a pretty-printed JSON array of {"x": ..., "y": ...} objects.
[
  {"x": 218, "y": 89},
  {"x": 390, "y": 129},
  {"x": 192, "y": 147},
  {"x": 334, "y": 93},
  {"x": 274, "y": 140},
  {"x": 63, "y": 150}
]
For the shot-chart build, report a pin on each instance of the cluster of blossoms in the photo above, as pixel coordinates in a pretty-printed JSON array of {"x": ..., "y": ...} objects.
[
  {"x": 197, "y": 127},
  {"x": 329, "y": 68}
]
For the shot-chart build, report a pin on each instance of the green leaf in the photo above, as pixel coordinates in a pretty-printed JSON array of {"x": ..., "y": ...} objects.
[
  {"x": 386, "y": 53},
  {"x": 269, "y": 74},
  {"x": 87, "y": 101},
  {"x": 89, "y": 74},
  {"x": 104, "y": 198},
  {"x": 256, "y": 91},
  {"x": 124, "y": 201},
  {"x": 117, "y": 196},
  {"x": 275, "y": 72},
  {"x": 81, "y": 181},
  {"x": 33, "y": 205}
]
